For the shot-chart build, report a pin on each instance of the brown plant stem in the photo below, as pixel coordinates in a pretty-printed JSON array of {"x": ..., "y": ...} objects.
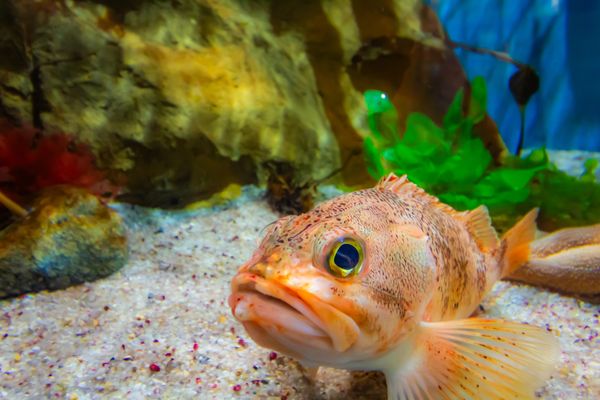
[{"x": 12, "y": 206}]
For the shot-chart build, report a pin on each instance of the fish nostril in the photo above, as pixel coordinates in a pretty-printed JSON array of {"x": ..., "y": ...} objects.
[{"x": 258, "y": 269}]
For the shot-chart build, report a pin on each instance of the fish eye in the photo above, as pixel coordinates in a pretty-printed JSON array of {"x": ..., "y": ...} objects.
[{"x": 345, "y": 258}]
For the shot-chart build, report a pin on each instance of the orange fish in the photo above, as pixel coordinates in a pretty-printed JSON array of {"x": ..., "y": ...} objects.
[{"x": 386, "y": 279}]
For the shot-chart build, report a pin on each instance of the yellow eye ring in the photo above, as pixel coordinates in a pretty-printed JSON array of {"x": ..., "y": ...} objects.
[{"x": 345, "y": 258}]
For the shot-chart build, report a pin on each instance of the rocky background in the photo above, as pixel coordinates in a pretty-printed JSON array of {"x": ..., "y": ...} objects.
[{"x": 184, "y": 97}]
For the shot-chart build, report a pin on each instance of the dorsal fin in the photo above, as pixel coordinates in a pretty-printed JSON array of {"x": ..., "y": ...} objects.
[
  {"x": 480, "y": 227},
  {"x": 405, "y": 188},
  {"x": 477, "y": 221}
]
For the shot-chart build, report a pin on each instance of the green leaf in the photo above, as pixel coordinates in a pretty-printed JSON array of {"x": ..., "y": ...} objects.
[
  {"x": 378, "y": 102},
  {"x": 385, "y": 128},
  {"x": 406, "y": 156},
  {"x": 424, "y": 138},
  {"x": 382, "y": 117},
  {"x": 590, "y": 165},
  {"x": 373, "y": 159},
  {"x": 421, "y": 130},
  {"x": 464, "y": 132},
  {"x": 454, "y": 116},
  {"x": 514, "y": 179},
  {"x": 451, "y": 162},
  {"x": 425, "y": 175},
  {"x": 508, "y": 179},
  {"x": 468, "y": 164},
  {"x": 459, "y": 201},
  {"x": 509, "y": 197},
  {"x": 478, "y": 100},
  {"x": 538, "y": 157}
]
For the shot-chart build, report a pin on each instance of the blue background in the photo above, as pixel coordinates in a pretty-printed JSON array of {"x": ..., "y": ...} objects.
[{"x": 560, "y": 39}]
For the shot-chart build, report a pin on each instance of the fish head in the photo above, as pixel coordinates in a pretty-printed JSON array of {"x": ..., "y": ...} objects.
[{"x": 337, "y": 286}]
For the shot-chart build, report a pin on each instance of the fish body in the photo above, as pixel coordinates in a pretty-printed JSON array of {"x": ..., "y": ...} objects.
[{"x": 385, "y": 279}]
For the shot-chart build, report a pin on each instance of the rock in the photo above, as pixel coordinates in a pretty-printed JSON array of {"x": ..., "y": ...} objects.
[
  {"x": 189, "y": 96},
  {"x": 16, "y": 87},
  {"x": 70, "y": 237}
]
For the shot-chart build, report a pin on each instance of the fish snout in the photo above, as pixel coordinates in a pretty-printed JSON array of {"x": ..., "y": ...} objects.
[
  {"x": 289, "y": 315},
  {"x": 264, "y": 266}
]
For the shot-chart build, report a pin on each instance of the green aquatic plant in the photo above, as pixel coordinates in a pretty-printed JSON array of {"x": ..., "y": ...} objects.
[
  {"x": 566, "y": 200},
  {"x": 451, "y": 162}
]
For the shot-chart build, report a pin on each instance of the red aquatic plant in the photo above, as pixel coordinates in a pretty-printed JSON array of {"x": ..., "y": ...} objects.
[{"x": 30, "y": 161}]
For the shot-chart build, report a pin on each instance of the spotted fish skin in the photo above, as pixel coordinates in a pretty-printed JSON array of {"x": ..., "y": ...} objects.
[
  {"x": 426, "y": 268},
  {"x": 463, "y": 271}
]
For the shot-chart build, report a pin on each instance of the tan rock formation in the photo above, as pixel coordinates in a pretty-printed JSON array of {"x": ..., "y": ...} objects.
[{"x": 188, "y": 96}]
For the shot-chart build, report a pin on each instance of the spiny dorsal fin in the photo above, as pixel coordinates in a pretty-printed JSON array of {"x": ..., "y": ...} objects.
[
  {"x": 405, "y": 188},
  {"x": 480, "y": 227}
]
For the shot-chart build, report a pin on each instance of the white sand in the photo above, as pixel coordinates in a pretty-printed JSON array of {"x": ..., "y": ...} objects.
[{"x": 101, "y": 339}]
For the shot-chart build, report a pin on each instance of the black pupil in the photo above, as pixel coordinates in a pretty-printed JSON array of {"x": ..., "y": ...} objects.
[{"x": 346, "y": 256}]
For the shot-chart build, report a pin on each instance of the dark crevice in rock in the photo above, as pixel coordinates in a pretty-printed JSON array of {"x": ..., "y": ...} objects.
[
  {"x": 12, "y": 91},
  {"x": 38, "y": 101},
  {"x": 139, "y": 79},
  {"x": 119, "y": 8},
  {"x": 171, "y": 175},
  {"x": 66, "y": 60}
]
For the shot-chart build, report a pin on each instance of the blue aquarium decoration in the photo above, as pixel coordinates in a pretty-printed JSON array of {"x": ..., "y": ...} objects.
[{"x": 557, "y": 39}]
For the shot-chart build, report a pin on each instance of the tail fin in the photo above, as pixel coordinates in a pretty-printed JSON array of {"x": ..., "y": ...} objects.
[
  {"x": 517, "y": 241},
  {"x": 565, "y": 239},
  {"x": 566, "y": 260}
]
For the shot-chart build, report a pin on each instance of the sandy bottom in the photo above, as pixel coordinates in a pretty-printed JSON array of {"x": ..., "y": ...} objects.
[{"x": 161, "y": 327}]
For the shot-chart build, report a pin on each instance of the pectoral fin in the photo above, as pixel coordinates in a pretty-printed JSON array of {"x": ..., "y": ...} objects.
[{"x": 475, "y": 359}]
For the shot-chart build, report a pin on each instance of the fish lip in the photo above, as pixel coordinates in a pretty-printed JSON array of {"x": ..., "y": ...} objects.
[
  {"x": 313, "y": 319},
  {"x": 249, "y": 283}
]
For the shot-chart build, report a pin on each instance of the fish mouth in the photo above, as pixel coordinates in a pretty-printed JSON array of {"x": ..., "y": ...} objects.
[{"x": 287, "y": 320}]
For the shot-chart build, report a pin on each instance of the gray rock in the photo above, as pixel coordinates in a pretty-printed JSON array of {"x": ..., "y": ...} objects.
[{"x": 70, "y": 237}]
